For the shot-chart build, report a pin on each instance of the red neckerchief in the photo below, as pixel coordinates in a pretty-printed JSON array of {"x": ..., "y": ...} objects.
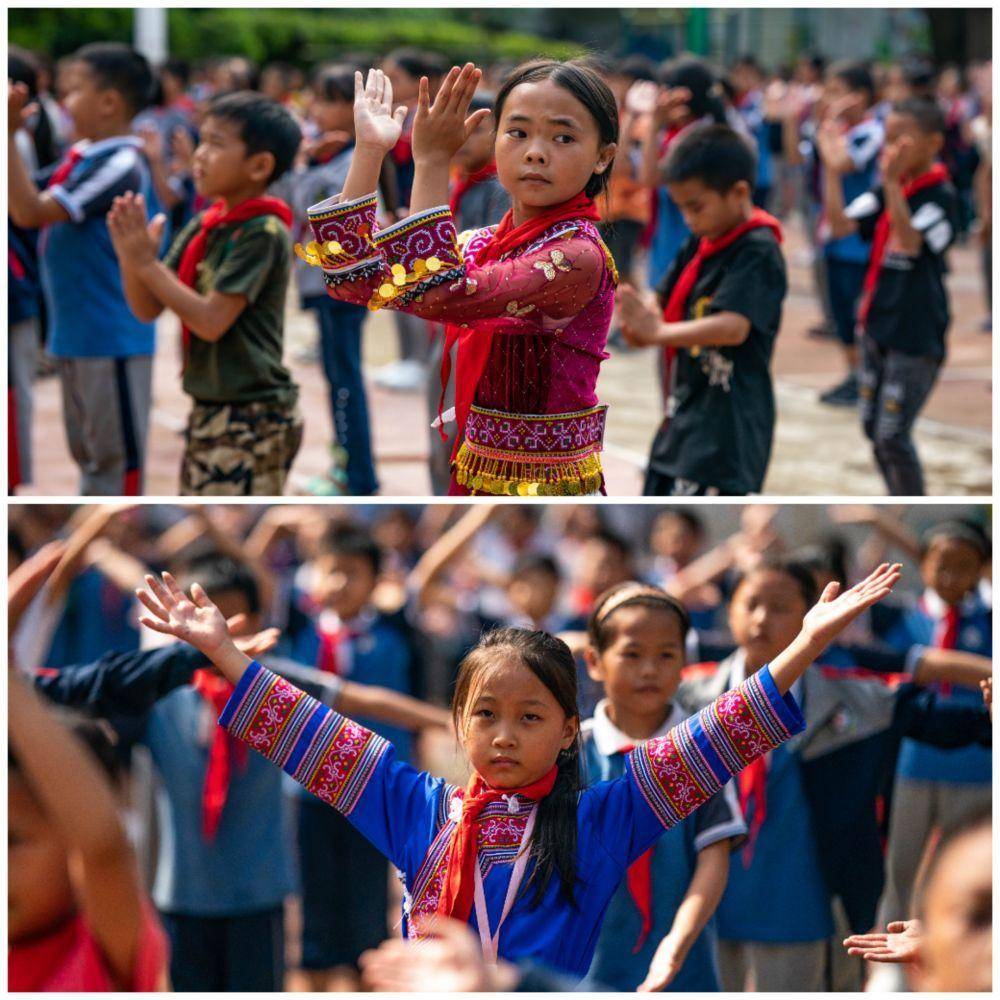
[
  {"x": 458, "y": 884},
  {"x": 752, "y": 784},
  {"x": 216, "y": 691},
  {"x": 688, "y": 278},
  {"x": 938, "y": 174},
  {"x": 214, "y": 217},
  {"x": 639, "y": 882},
  {"x": 329, "y": 659},
  {"x": 474, "y": 343},
  {"x": 65, "y": 168},
  {"x": 469, "y": 181},
  {"x": 945, "y": 635}
]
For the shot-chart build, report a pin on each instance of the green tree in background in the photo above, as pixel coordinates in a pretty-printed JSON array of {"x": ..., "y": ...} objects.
[{"x": 293, "y": 35}]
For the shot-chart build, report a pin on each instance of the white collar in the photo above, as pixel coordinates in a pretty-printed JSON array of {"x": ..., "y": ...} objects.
[
  {"x": 936, "y": 607},
  {"x": 609, "y": 739},
  {"x": 87, "y": 148},
  {"x": 330, "y": 621}
]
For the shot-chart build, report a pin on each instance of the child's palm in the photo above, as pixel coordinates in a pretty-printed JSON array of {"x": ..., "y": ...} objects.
[
  {"x": 375, "y": 123},
  {"x": 195, "y": 620},
  {"x": 834, "y": 613}
]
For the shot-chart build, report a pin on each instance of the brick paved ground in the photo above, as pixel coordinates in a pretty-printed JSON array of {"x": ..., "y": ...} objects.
[{"x": 818, "y": 450}]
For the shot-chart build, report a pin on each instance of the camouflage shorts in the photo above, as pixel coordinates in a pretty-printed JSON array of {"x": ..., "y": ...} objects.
[{"x": 239, "y": 449}]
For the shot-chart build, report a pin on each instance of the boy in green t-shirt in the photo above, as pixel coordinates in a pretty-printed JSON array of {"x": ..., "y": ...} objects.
[{"x": 226, "y": 276}]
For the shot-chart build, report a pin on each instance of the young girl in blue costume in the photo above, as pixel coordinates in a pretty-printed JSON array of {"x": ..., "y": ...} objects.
[{"x": 522, "y": 853}]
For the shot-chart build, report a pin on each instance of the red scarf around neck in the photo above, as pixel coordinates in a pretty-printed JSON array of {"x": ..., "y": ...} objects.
[
  {"x": 65, "y": 168},
  {"x": 938, "y": 174},
  {"x": 458, "y": 889},
  {"x": 216, "y": 691},
  {"x": 474, "y": 344},
  {"x": 677, "y": 303},
  {"x": 469, "y": 181},
  {"x": 639, "y": 882},
  {"x": 214, "y": 217}
]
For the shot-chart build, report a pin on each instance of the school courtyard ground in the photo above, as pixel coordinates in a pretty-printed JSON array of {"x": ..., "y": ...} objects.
[{"x": 819, "y": 450}]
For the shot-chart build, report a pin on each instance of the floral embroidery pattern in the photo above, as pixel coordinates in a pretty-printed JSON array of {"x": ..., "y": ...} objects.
[{"x": 678, "y": 772}]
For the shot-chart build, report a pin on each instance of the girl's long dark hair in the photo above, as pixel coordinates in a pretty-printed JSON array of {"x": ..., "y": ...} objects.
[
  {"x": 553, "y": 844},
  {"x": 22, "y": 67},
  {"x": 587, "y": 86},
  {"x": 697, "y": 77}
]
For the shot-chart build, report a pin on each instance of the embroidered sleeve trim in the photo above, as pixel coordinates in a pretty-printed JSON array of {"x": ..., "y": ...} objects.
[
  {"x": 331, "y": 755},
  {"x": 676, "y": 773}
]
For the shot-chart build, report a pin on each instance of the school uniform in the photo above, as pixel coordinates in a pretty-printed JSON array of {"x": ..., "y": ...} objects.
[
  {"x": 847, "y": 257},
  {"x": 904, "y": 322},
  {"x": 935, "y": 786},
  {"x": 370, "y": 649},
  {"x": 220, "y": 898},
  {"x": 716, "y": 436},
  {"x": 104, "y": 354},
  {"x": 624, "y": 951},
  {"x": 24, "y": 342},
  {"x": 410, "y": 816},
  {"x": 812, "y": 817}
]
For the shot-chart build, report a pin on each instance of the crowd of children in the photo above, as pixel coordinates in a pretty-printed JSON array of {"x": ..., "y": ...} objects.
[
  {"x": 580, "y": 649},
  {"x": 135, "y": 191}
]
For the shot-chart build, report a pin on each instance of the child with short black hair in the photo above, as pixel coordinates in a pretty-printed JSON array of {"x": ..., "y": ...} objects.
[
  {"x": 721, "y": 307},
  {"x": 903, "y": 313},
  {"x": 225, "y": 277},
  {"x": 850, "y": 99},
  {"x": 104, "y": 353}
]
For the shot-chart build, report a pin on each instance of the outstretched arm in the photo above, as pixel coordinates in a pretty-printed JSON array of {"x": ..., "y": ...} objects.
[{"x": 827, "y": 619}]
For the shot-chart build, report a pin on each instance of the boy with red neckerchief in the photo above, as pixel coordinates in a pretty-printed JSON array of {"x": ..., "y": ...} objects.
[
  {"x": 716, "y": 321},
  {"x": 903, "y": 311},
  {"x": 226, "y": 276}
]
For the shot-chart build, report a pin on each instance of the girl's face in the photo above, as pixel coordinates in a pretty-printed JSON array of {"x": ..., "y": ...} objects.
[
  {"x": 673, "y": 538},
  {"x": 513, "y": 728},
  {"x": 39, "y": 891},
  {"x": 548, "y": 145},
  {"x": 951, "y": 568},
  {"x": 957, "y": 951},
  {"x": 641, "y": 668},
  {"x": 332, "y": 114},
  {"x": 765, "y": 615},
  {"x": 533, "y": 593}
]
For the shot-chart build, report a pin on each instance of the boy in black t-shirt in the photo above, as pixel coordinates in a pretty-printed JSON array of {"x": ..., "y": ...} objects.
[
  {"x": 903, "y": 312},
  {"x": 718, "y": 315}
]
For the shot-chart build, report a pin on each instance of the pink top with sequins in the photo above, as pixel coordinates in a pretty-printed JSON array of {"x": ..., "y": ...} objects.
[{"x": 549, "y": 306}]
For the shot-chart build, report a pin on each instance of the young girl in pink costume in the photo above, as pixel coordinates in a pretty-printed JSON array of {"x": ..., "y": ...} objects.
[{"x": 528, "y": 302}]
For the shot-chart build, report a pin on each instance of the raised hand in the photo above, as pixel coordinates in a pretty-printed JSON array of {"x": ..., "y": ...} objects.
[
  {"x": 19, "y": 106},
  {"x": 29, "y": 578},
  {"x": 441, "y": 129},
  {"x": 376, "y": 125},
  {"x": 827, "y": 619},
  {"x": 135, "y": 240},
  {"x": 671, "y": 105},
  {"x": 900, "y": 946},
  {"x": 195, "y": 620},
  {"x": 892, "y": 160}
]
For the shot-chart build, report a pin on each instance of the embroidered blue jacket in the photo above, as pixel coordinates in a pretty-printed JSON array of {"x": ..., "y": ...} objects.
[{"x": 408, "y": 814}]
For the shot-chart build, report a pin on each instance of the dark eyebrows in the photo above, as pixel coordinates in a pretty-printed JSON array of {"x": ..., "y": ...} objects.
[{"x": 560, "y": 120}]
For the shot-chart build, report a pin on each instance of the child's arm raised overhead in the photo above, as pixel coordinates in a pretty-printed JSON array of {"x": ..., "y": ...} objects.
[
  {"x": 827, "y": 619},
  {"x": 28, "y": 207},
  {"x": 439, "y": 131},
  {"x": 79, "y": 801},
  {"x": 343, "y": 763}
]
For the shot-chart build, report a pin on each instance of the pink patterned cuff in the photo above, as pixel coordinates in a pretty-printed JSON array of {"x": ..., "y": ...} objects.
[
  {"x": 676, "y": 773},
  {"x": 329, "y": 754},
  {"x": 420, "y": 252},
  {"x": 344, "y": 237}
]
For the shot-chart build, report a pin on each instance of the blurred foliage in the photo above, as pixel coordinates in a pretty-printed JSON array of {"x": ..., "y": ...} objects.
[{"x": 298, "y": 36}]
